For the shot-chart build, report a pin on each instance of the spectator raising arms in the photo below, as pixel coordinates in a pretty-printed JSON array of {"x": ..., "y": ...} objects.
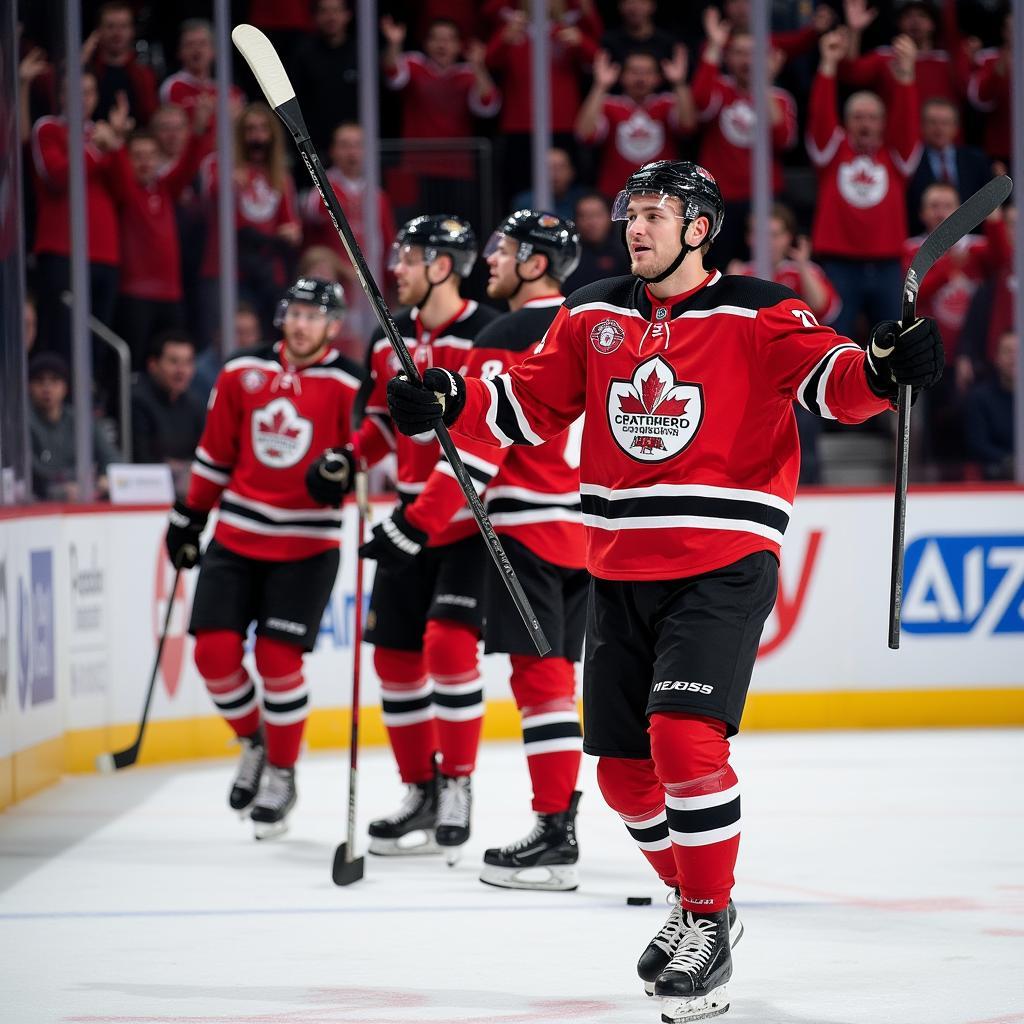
[
  {"x": 639, "y": 126},
  {"x": 989, "y": 92},
  {"x": 265, "y": 217},
  {"x": 860, "y": 219},
  {"x": 115, "y": 65},
  {"x": 725, "y": 105}
]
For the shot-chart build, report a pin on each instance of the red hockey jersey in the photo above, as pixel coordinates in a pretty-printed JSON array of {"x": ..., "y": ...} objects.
[
  {"x": 861, "y": 212},
  {"x": 184, "y": 89},
  {"x": 728, "y": 114},
  {"x": 447, "y": 346},
  {"x": 531, "y": 494},
  {"x": 787, "y": 273},
  {"x": 266, "y": 423},
  {"x": 690, "y": 454}
]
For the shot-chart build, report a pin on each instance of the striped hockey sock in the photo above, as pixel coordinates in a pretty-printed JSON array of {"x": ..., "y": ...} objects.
[
  {"x": 285, "y": 699},
  {"x": 450, "y": 649},
  {"x": 407, "y": 698},
  {"x": 218, "y": 657}
]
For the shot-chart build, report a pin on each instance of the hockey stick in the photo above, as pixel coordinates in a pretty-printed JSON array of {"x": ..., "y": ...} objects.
[
  {"x": 965, "y": 218},
  {"x": 266, "y": 65},
  {"x": 348, "y": 868},
  {"x": 127, "y": 757}
]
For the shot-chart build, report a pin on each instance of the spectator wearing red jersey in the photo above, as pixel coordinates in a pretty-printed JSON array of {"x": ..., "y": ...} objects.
[
  {"x": 268, "y": 226},
  {"x": 346, "y": 174},
  {"x": 939, "y": 72},
  {"x": 989, "y": 92},
  {"x": 116, "y": 67},
  {"x": 440, "y": 97},
  {"x": 50, "y": 164},
  {"x": 726, "y": 107},
  {"x": 863, "y": 165},
  {"x": 966, "y": 168},
  {"x": 575, "y": 29},
  {"x": 151, "y": 290},
  {"x": 640, "y": 125},
  {"x": 185, "y": 88}
]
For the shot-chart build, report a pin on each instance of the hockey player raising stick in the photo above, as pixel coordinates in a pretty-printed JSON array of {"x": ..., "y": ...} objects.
[
  {"x": 425, "y": 613},
  {"x": 689, "y": 468},
  {"x": 274, "y": 553},
  {"x": 532, "y": 497}
]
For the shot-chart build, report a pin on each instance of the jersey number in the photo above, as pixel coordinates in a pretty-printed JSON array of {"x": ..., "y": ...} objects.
[{"x": 805, "y": 316}]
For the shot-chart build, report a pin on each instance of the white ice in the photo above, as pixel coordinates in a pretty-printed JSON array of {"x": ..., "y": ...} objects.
[{"x": 881, "y": 879}]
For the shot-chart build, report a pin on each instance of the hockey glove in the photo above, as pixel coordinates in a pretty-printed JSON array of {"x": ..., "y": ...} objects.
[
  {"x": 330, "y": 477},
  {"x": 184, "y": 526},
  {"x": 395, "y": 542},
  {"x": 898, "y": 355},
  {"x": 416, "y": 408}
]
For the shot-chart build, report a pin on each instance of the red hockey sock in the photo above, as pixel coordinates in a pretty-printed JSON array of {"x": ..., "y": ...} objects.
[
  {"x": 631, "y": 788},
  {"x": 218, "y": 658},
  {"x": 545, "y": 690},
  {"x": 407, "y": 702},
  {"x": 450, "y": 654},
  {"x": 702, "y": 798},
  {"x": 285, "y": 699}
]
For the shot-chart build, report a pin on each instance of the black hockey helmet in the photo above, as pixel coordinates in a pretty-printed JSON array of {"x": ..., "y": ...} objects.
[
  {"x": 538, "y": 232},
  {"x": 327, "y": 295},
  {"x": 687, "y": 181},
  {"x": 438, "y": 233}
]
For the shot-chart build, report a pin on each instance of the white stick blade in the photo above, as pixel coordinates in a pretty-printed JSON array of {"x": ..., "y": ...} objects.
[
  {"x": 104, "y": 764},
  {"x": 261, "y": 56}
]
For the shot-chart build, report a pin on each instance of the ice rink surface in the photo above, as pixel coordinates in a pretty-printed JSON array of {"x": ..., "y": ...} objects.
[{"x": 881, "y": 880}]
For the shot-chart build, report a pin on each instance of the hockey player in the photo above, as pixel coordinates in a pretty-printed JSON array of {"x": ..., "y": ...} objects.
[
  {"x": 688, "y": 473},
  {"x": 425, "y": 614},
  {"x": 274, "y": 553},
  {"x": 532, "y": 495}
]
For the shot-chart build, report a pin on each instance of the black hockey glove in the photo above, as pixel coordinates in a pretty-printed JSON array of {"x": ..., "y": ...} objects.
[
  {"x": 395, "y": 542},
  {"x": 416, "y": 408},
  {"x": 331, "y": 477},
  {"x": 184, "y": 525},
  {"x": 904, "y": 355}
]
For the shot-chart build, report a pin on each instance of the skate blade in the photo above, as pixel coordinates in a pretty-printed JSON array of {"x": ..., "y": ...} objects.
[
  {"x": 543, "y": 878},
  {"x": 269, "y": 829},
  {"x": 413, "y": 844},
  {"x": 679, "y": 1010}
]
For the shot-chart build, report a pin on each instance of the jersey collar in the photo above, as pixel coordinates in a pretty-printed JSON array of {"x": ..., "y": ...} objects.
[
  {"x": 543, "y": 301},
  {"x": 651, "y": 307}
]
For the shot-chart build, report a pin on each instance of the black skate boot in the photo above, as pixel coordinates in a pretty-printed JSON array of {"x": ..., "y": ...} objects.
[
  {"x": 273, "y": 804},
  {"x": 250, "y": 770},
  {"x": 545, "y": 859},
  {"x": 454, "y": 806},
  {"x": 656, "y": 956},
  {"x": 693, "y": 984},
  {"x": 410, "y": 830}
]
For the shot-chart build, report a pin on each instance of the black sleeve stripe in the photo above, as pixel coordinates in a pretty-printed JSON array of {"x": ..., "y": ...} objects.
[
  {"x": 506, "y": 419},
  {"x": 807, "y": 396}
]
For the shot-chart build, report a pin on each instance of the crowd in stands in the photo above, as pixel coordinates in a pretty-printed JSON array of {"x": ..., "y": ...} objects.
[{"x": 884, "y": 116}]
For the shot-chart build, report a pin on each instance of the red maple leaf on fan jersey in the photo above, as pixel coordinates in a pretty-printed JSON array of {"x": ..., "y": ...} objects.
[{"x": 651, "y": 390}]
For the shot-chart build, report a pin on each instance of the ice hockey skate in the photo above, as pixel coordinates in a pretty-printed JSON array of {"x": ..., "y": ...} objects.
[
  {"x": 693, "y": 985},
  {"x": 246, "y": 783},
  {"x": 661, "y": 948},
  {"x": 274, "y": 802},
  {"x": 543, "y": 860},
  {"x": 410, "y": 830},
  {"x": 454, "y": 808}
]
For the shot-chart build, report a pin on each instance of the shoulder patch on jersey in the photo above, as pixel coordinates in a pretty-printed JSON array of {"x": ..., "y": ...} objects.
[
  {"x": 616, "y": 291},
  {"x": 518, "y": 330}
]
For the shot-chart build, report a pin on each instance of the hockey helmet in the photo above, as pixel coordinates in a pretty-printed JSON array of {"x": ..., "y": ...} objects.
[
  {"x": 328, "y": 296},
  {"x": 438, "y": 233},
  {"x": 538, "y": 232},
  {"x": 684, "y": 180}
]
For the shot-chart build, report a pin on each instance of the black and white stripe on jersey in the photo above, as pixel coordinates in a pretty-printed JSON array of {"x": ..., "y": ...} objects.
[
  {"x": 551, "y": 732},
  {"x": 703, "y": 820},
  {"x": 511, "y": 506},
  {"x": 694, "y": 506},
  {"x": 480, "y": 471},
  {"x": 259, "y": 517},
  {"x": 812, "y": 390},
  {"x": 505, "y": 416},
  {"x": 204, "y": 465}
]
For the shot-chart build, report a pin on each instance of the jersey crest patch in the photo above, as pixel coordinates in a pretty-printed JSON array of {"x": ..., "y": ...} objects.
[
  {"x": 280, "y": 436},
  {"x": 606, "y": 336},
  {"x": 253, "y": 380},
  {"x": 652, "y": 416}
]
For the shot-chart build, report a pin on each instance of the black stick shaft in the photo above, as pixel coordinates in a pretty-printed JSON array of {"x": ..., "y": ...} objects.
[
  {"x": 291, "y": 115},
  {"x": 357, "y": 651}
]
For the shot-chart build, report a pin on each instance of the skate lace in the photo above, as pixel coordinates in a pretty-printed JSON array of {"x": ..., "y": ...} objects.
[
  {"x": 410, "y": 805},
  {"x": 668, "y": 938},
  {"x": 251, "y": 766},
  {"x": 695, "y": 946},
  {"x": 528, "y": 840},
  {"x": 453, "y": 803},
  {"x": 277, "y": 789}
]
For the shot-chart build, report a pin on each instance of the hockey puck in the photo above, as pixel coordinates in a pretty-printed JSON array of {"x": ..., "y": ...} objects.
[{"x": 638, "y": 901}]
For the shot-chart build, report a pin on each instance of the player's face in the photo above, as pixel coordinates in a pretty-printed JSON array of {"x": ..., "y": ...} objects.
[
  {"x": 196, "y": 52},
  {"x": 501, "y": 265},
  {"x": 411, "y": 275},
  {"x": 305, "y": 330},
  {"x": 653, "y": 224}
]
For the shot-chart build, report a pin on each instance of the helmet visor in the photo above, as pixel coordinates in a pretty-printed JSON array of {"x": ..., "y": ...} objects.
[
  {"x": 643, "y": 200},
  {"x": 492, "y": 243}
]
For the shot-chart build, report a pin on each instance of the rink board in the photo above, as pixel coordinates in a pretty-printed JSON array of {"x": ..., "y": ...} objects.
[{"x": 83, "y": 594}]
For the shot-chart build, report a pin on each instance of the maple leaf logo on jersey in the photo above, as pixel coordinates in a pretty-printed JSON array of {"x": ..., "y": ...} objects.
[
  {"x": 863, "y": 183},
  {"x": 280, "y": 436},
  {"x": 652, "y": 416}
]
